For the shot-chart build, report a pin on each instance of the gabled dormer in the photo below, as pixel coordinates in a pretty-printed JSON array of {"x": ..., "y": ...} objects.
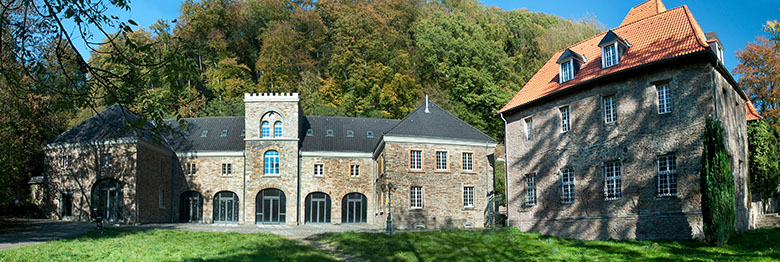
[
  {"x": 612, "y": 49},
  {"x": 715, "y": 45},
  {"x": 569, "y": 64}
]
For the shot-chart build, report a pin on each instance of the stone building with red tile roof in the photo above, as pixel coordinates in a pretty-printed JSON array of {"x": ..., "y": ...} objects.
[{"x": 604, "y": 141}]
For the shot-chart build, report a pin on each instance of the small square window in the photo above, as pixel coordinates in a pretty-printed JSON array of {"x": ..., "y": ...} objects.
[
  {"x": 350, "y": 133},
  {"x": 204, "y": 133},
  {"x": 354, "y": 170},
  {"x": 107, "y": 158},
  {"x": 370, "y": 134},
  {"x": 309, "y": 132},
  {"x": 223, "y": 133},
  {"x": 318, "y": 170},
  {"x": 227, "y": 169},
  {"x": 329, "y": 132}
]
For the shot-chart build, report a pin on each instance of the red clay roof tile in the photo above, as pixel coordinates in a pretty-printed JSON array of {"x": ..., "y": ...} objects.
[{"x": 752, "y": 113}]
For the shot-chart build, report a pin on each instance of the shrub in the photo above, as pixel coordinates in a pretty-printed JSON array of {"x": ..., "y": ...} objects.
[
  {"x": 762, "y": 160},
  {"x": 717, "y": 186}
]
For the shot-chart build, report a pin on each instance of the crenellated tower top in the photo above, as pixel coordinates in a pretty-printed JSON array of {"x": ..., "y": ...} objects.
[{"x": 271, "y": 97}]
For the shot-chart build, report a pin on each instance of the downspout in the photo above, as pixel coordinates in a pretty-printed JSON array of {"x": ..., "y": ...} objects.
[
  {"x": 487, "y": 173},
  {"x": 243, "y": 203},
  {"x": 298, "y": 193},
  {"x": 715, "y": 92},
  {"x": 373, "y": 189},
  {"x": 506, "y": 161}
]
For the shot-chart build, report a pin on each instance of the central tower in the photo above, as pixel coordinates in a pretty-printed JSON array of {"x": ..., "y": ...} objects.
[{"x": 271, "y": 151}]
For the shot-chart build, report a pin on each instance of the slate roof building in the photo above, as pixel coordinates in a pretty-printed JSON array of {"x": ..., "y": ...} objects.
[
  {"x": 604, "y": 141},
  {"x": 272, "y": 166}
]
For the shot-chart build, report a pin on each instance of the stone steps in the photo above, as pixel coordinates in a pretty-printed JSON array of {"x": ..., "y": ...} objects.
[{"x": 768, "y": 220}]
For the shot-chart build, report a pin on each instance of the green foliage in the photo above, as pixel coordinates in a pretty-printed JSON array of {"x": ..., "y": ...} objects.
[
  {"x": 499, "y": 182},
  {"x": 347, "y": 58},
  {"x": 762, "y": 149},
  {"x": 717, "y": 186}
]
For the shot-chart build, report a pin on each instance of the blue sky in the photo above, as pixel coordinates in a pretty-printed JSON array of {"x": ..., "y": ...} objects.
[{"x": 736, "y": 22}]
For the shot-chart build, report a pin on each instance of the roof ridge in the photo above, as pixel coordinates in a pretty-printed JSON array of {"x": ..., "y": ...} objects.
[
  {"x": 463, "y": 122},
  {"x": 402, "y": 119},
  {"x": 356, "y": 117},
  {"x": 205, "y": 117},
  {"x": 695, "y": 25},
  {"x": 639, "y": 20}
]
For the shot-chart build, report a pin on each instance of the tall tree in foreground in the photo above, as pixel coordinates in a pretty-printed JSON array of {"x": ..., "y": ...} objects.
[
  {"x": 717, "y": 186},
  {"x": 760, "y": 69},
  {"x": 762, "y": 159}
]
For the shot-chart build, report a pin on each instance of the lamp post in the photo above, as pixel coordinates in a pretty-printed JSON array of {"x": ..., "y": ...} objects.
[{"x": 389, "y": 188}]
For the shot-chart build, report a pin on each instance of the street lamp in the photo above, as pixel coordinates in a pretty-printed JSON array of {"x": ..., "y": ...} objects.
[{"x": 389, "y": 188}]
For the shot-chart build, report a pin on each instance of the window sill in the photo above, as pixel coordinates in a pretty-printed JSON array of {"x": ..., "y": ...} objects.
[
  {"x": 470, "y": 172},
  {"x": 272, "y": 176},
  {"x": 415, "y": 209},
  {"x": 662, "y": 197},
  {"x": 416, "y": 171},
  {"x": 468, "y": 208},
  {"x": 613, "y": 199},
  {"x": 442, "y": 171}
]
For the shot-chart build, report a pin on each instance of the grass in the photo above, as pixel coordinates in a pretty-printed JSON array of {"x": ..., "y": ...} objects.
[
  {"x": 168, "y": 245},
  {"x": 508, "y": 244}
]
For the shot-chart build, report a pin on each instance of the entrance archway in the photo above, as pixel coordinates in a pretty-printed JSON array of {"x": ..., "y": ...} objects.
[
  {"x": 226, "y": 207},
  {"x": 317, "y": 208},
  {"x": 191, "y": 207},
  {"x": 270, "y": 206},
  {"x": 106, "y": 195},
  {"x": 354, "y": 208}
]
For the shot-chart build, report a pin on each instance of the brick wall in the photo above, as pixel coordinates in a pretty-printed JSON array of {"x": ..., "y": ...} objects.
[
  {"x": 636, "y": 140},
  {"x": 442, "y": 190}
]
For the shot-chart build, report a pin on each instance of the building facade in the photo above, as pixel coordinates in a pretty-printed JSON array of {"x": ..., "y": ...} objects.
[
  {"x": 605, "y": 141},
  {"x": 273, "y": 166}
]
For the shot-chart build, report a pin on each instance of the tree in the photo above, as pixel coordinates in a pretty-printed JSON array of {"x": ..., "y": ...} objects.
[
  {"x": 762, "y": 149},
  {"x": 760, "y": 70},
  {"x": 717, "y": 186}
]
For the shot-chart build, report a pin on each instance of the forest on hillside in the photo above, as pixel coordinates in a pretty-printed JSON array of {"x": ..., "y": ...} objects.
[{"x": 345, "y": 58}]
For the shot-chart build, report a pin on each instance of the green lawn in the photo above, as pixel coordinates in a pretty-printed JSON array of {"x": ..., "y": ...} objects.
[
  {"x": 511, "y": 244},
  {"x": 508, "y": 244},
  {"x": 168, "y": 245}
]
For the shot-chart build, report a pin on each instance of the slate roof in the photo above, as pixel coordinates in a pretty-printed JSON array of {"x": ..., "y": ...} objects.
[
  {"x": 213, "y": 141},
  {"x": 437, "y": 123},
  {"x": 111, "y": 123},
  {"x": 340, "y": 142},
  {"x": 654, "y": 36}
]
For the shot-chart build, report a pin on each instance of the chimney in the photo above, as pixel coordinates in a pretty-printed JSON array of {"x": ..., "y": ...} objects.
[{"x": 426, "y": 104}]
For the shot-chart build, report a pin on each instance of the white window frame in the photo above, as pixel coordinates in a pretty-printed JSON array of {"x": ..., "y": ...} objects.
[
  {"x": 278, "y": 125},
  {"x": 468, "y": 196},
  {"x": 441, "y": 161},
  {"x": 416, "y": 197},
  {"x": 468, "y": 161},
  {"x": 612, "y": 180},
  {"x": 190, "y": 169},
  {"x": 265, "y": 129},
  {"x": 354, "y": 170},
  {"x": 609, "y": 104},
  {"x": 227, "y": 169},
  {"x": 530, "y": 190},
  {"x": 667, "y": 175},
  {"x": 565, "y": 118},
  {"x": 566, "y": 71},
  {"x": 567, "y": 185},
  {"x": 415, "y": 161},
  {"x": 319, "y": 169},
  {"x": 664, "y": 91},
  {"x": 529, "y": 129},
  {"x": 608, "y": 59}
]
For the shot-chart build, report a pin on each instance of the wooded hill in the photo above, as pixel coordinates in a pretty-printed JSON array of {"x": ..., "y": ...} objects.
[{"x": 345, "y": 57}]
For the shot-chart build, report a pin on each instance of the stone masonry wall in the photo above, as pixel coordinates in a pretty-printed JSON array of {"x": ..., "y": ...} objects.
[
  {"x": 81, "y": 174},
  {"x": 154, "y": 177},
  {"x": 337, "y": 183},
  {"x": 442, "y": 190},
  {"x": 636, "y": 140},
  {"x": 208, "y": 181}
]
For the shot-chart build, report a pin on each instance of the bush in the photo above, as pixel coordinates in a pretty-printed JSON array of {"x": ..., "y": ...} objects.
[
  {"x": 762, "y": 160},
  {"x": 717, "y": 186}
]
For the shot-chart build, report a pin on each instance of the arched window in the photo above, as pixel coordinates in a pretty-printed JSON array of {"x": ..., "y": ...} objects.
[
  {"x": 226, "y": 207},
  {"x": 353, "y": 208},
  {"x": 191, "y": 207},
  {"x": 278, "y": 129},
  {"x": 270, "y": 206},
  {"x": 271, "y": 162},
  {"x": 266, "y": 130},
  {"x": 317, "y": 208}
]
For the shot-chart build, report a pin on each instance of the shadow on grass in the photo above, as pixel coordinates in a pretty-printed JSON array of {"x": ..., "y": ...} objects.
[{"x": 513, "y": 245}]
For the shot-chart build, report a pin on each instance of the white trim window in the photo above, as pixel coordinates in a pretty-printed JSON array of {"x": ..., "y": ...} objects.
[
  {"x": 227, "y": 169},
  {"x": 567, "y": 185},
  {"x": 529, "y": 129},
  {"x": 664, "y": 99},
  {"x": 564, "y": 119},
  {"x": 278, "y": 129},
  {"x": 468, "y": 161},
  {"x": 667, "y": 176},
  {"x": 612, "y": 181},
  {"x": 530, "y": 190},
  {"x": 609, "y": 109},
  {"x": 354, "y": 170},
  {"x": 416, "y": 197},
  {"x": 265, "y": 129},
  {"x": 609, "y": 55},
  {"x": 318, "y": 170},
  {"x": 190, "y": 169},
  {"x": 415, "y": 159},
  {"x": 441, "y": 160},
  {"x": 567, "y": 71},
  {"x": 468, "y": 196}
]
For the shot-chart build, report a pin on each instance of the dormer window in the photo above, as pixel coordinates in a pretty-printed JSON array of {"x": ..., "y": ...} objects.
[
  {"x": 569, "y": 62},
  {"x": 223, "y": 133},
  {"x": 567, "y": 71},
  {"x": 612, "y": 48},
  {"x": 309, "y": 132},
  {"x": 610, "y": 56},
  {"x": 350, "y": 133}
]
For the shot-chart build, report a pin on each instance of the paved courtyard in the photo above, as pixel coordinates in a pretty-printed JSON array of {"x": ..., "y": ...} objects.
[{"x": 22, "y": 232}]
